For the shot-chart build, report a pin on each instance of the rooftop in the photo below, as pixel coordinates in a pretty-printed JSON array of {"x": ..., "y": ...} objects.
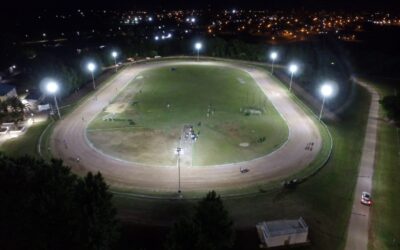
[{"x": 284, "y": 227}]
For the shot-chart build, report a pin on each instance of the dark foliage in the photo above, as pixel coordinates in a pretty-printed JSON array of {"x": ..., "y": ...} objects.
[
  {"x": 45, "y": 206},
  {"x": 210, "y": 228},
  {"x": 392, "y": 106},
  {"x": 11, "y": 110}
]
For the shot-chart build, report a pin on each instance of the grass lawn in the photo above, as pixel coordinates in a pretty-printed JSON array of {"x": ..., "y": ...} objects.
[
  {"x": 151, "y": 111},
  {"x": 324, "y": 200},
  {"x": 25, "y": 144},
  {"x": 385, "y": 227}
]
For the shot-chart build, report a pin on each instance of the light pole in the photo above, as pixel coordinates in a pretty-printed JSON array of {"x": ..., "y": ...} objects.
[
  {"x": 178, "y": 150},
  {"x": 91, "y": 67},
  {"x": 273, "y": 57},
  {"x": 326, "y": 91},
  {"x": 52, "y": 88},
  {"x": 293, "y": 69},
  {"x": 114, "y": 55},
  {"x": 198, "y": 47}
]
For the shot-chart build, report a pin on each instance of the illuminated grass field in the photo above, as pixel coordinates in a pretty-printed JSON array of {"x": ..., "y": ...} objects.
[{"x": 232, "y": 117}]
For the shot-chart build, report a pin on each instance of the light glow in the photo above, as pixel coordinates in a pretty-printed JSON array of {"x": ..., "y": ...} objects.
[
  {"x": 91, "y": 67},
  {"x": 274, "y": 55},
  {"x": 198, "y": 46},
  {"x": 293, "y": 68},
  {"x": 52, "y": 87},
  {"x": 326, "y": 90}
]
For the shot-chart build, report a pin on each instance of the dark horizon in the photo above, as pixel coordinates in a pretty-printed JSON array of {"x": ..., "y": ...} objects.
[{"x": 355, "y": 5}]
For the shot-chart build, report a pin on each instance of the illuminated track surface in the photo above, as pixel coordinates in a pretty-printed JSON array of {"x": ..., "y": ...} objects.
[{"x": 290, "y": 158}]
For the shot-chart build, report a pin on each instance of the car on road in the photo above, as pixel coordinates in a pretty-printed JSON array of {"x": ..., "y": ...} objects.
[{"x": 366, "y": 198}]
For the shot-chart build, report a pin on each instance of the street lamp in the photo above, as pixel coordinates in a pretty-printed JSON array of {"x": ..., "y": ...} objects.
[
  {"x": 326, "y": 91},
  {"x": 273, "y": 57},
  {"x": 198, "y": 47},
  {"x": 52, "y": 88},
  {"x": 293, "y": 69},
  {"x": 91, "y": 67},
  {"x": 114, "y": 55},
  {"x": 178, "y": 151}
]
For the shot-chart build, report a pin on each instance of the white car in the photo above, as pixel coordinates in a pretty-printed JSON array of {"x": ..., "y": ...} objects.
[{"x": 366, "y": 199}]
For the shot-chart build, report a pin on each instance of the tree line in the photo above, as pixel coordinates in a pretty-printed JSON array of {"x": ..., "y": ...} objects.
[{"x": 46, "y": 206}]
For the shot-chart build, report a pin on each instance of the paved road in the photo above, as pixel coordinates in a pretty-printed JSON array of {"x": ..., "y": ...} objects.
[
  {"x": 290, "y": 158},
  {"x": 357, "y": 234}
]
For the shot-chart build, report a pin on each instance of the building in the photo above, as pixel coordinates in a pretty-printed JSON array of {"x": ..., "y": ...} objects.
[
  {"x": 33, "y": 99},
  {"x": 282, "y": 232},
  {"x": 7, "y": 91}
]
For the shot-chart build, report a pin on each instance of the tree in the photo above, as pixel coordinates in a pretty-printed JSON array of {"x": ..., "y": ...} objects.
[
  {"x": 17, "y": 109},
  {"x": 184, "y": 235},
  {"x": 11, "y": 110},
  {"x": 391, "y": 104},
  {"x": 97, "y": 221},
  {"x": 210, "y": 228},
  {"x": 214, "y": 223},
  {"x": 45, "y": 206}
]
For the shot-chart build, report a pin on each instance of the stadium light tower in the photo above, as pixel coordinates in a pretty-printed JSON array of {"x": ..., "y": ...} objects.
[
  {"x": 273, "y": 56},
  {"x": 52, "y": 88},
  {"x": 91, "y": 67},
  {"x": 178, "y": 151},
  {"x": 115, "y": 55},
  {"x": 326, "y": 91},
  {"x": 293, "y": 69},
  {"x": 198, "y": 47}
]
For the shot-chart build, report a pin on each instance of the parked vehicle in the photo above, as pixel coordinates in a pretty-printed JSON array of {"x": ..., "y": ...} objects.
[{"x": 366, "y": 198}]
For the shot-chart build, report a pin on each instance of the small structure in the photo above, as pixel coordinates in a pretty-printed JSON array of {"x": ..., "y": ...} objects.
[
  {"x": 7, "y": 91},
  {"x": 33, "y": 99},
  {"x": 283, "y": 232}
]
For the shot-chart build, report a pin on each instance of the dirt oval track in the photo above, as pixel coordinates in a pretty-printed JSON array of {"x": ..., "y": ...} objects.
[{"x": 288, "y": 159}]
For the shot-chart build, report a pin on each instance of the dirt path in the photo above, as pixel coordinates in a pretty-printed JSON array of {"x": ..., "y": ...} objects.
[
  {"x": 288, "y": 159},
  {"x": 357, "y": 234}
]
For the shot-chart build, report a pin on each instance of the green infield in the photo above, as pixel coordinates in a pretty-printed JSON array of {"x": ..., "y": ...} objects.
[{"x": 231, "y": 117}]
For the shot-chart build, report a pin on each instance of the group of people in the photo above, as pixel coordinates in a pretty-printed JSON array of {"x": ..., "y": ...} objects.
[{"x": 309, "y": 146}]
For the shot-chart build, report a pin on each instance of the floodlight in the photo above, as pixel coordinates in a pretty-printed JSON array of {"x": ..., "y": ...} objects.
[
  {"x": 52, "y": 87},
  {"x": 293, "y": 68},
  {"x": 274, "y": 55},
  {"x": 91, "y": 66},
  {"x": 198, "y": 46},
  {"x": 326, "y": 90}
]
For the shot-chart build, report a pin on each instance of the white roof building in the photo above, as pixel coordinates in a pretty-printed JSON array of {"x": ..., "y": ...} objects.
[{"x": 283, "y": 232}]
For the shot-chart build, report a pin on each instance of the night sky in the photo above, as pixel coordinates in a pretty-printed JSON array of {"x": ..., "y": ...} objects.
[{"x": 24, "y": 5}]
